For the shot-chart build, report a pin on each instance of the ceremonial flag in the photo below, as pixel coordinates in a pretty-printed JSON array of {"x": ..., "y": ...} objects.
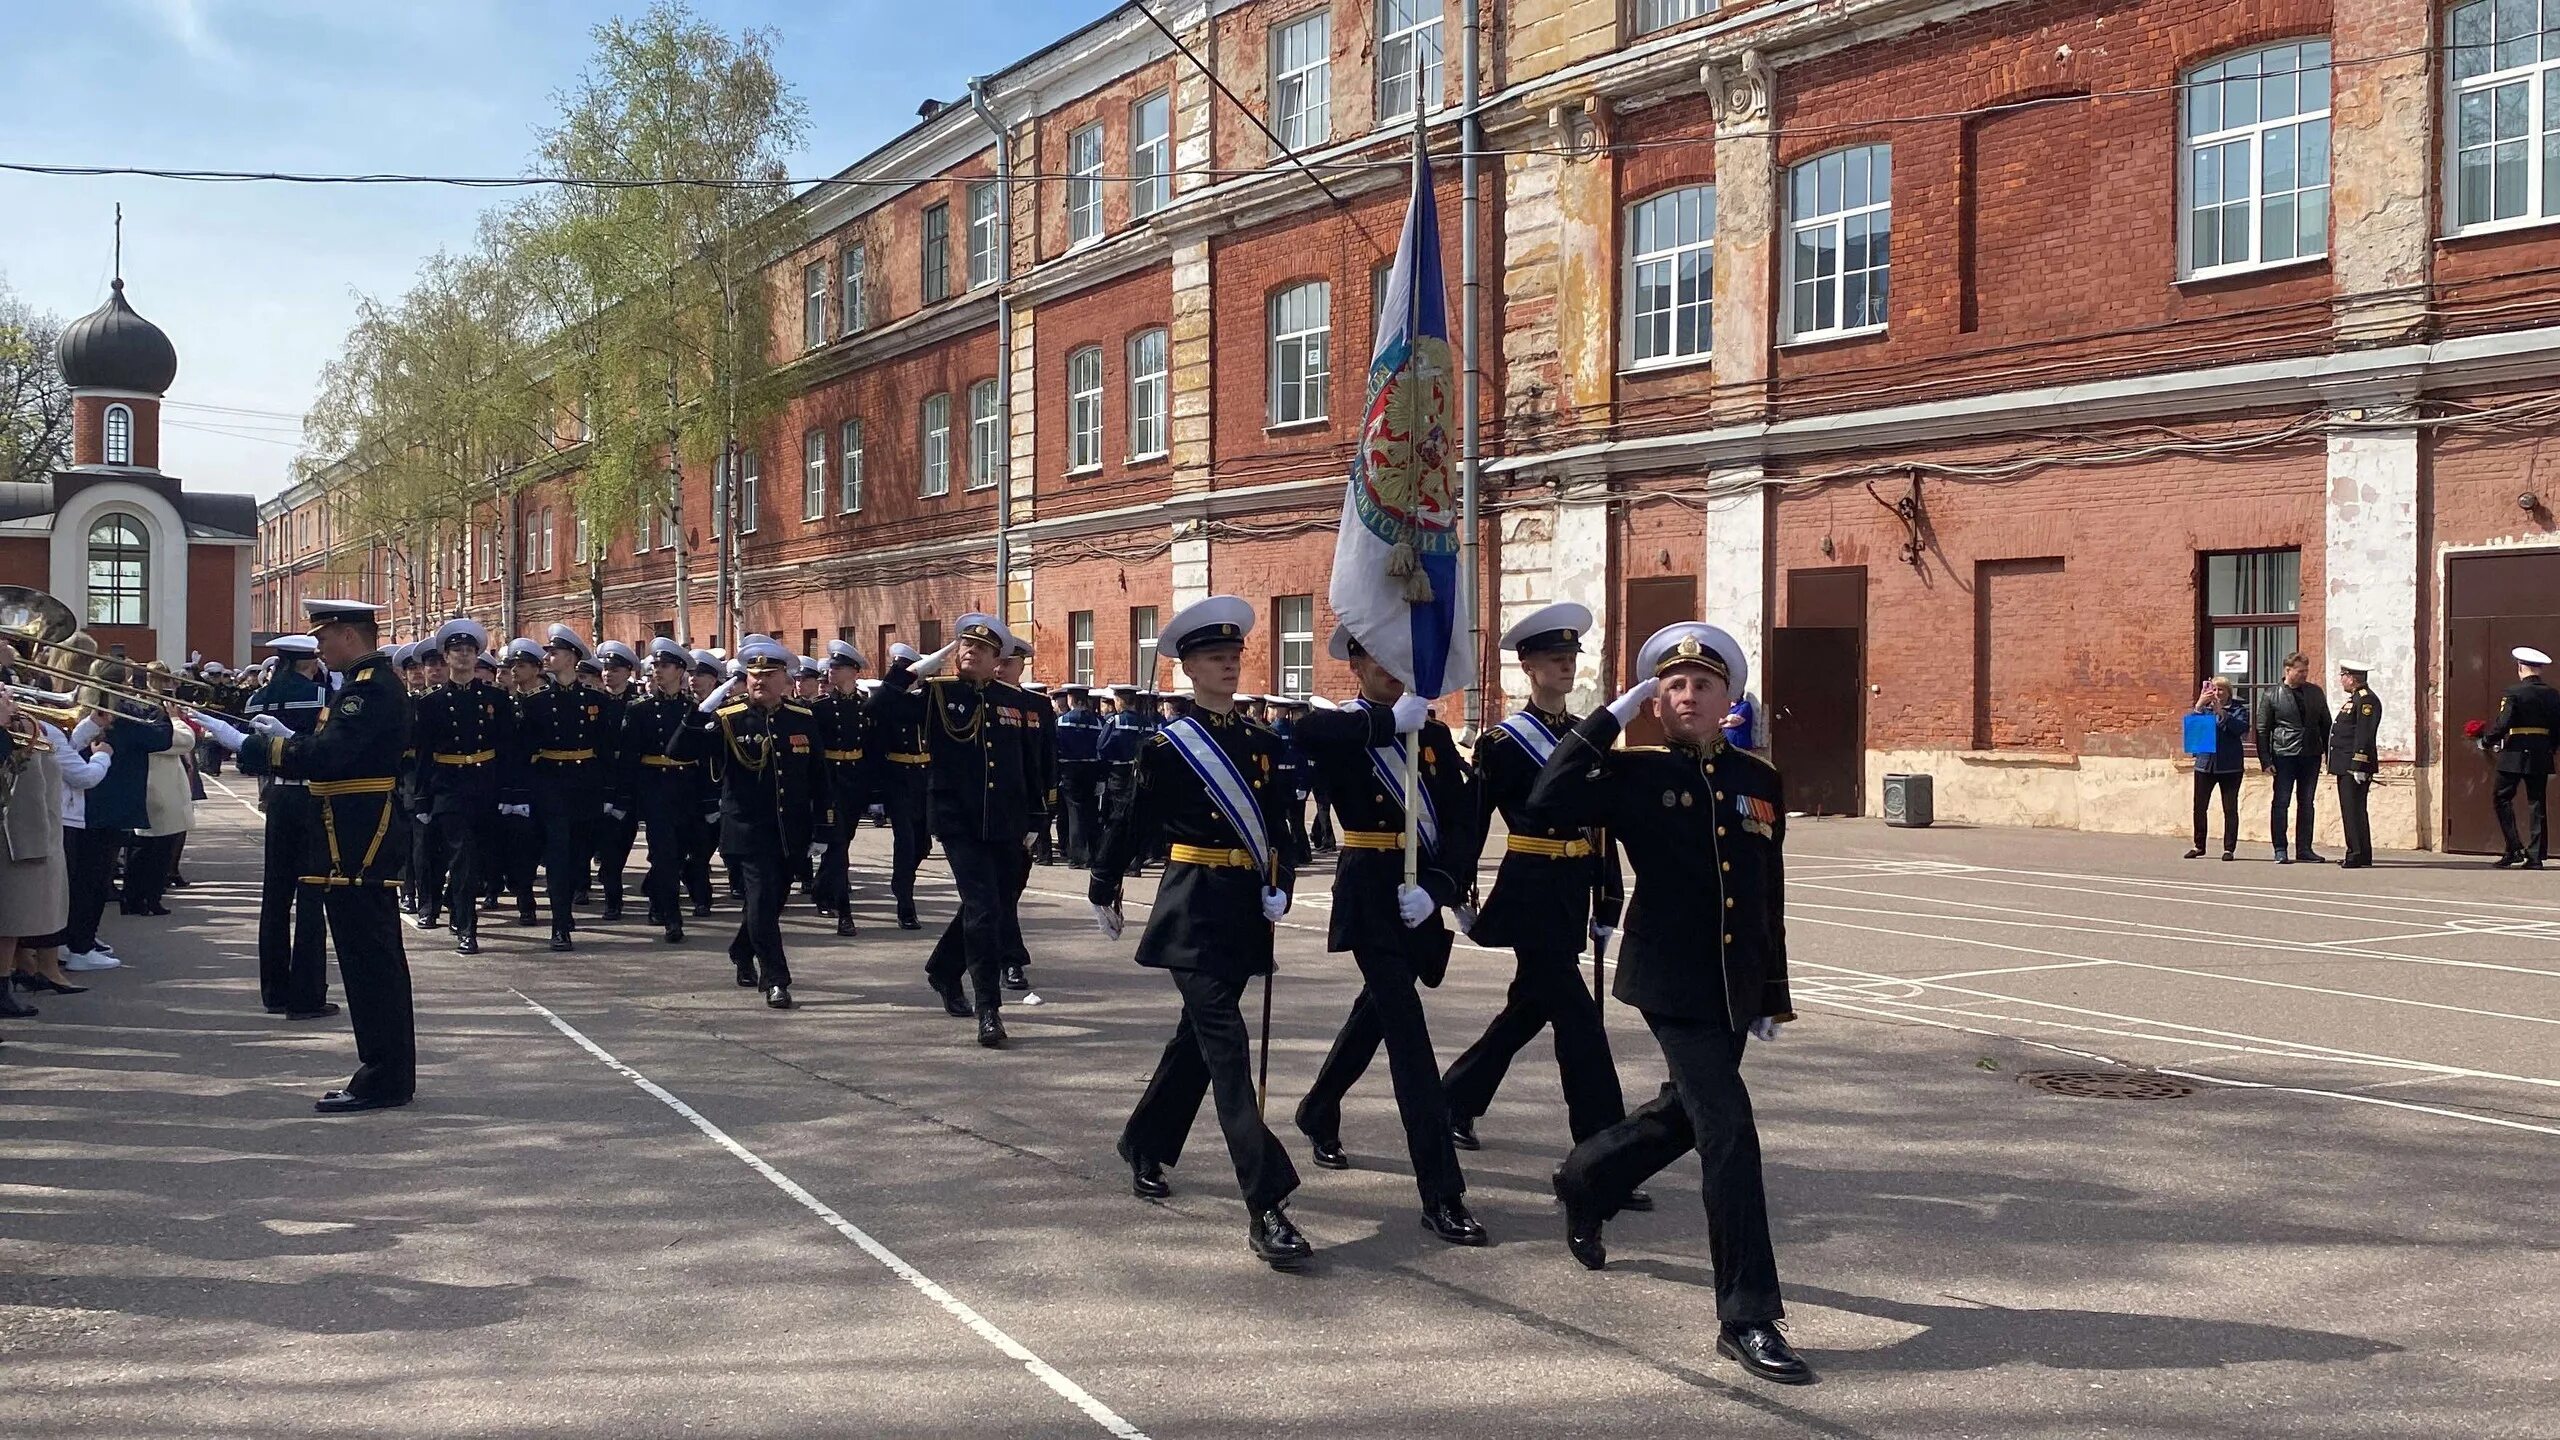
[{"x": 1395, "y": 562}]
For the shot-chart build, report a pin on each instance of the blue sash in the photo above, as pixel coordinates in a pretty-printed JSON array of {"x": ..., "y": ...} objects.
[
  {"x": 1387, "y": 761},
  {"x": 1226, "y": 785},
  {"x": 1533, "y": 735}
]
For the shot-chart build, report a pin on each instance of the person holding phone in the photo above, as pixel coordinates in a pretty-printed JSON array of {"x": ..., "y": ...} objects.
[{"x": 2218, "y": 769}]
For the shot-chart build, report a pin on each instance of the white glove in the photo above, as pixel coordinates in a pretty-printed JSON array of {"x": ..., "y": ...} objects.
[
  {"x": 1410, "y": 712},
  {"x": 1764, "y": 1028},
  {"x": 2364, "y": 779},
  {"x": 269, "y": 725},
  {"x": 935, "y": 663},
  {"x": 1030, "y": 840},
  {"x": 1275, "y": 903},
  {"x": 426, "y": 817},
  {"x": 1601, "y": 934},
  {"x": 613, "y": 812},
  {"x": 1630, "y": 705},
  {"x": 1106, "y": 918},
  {"x": 223, "y": 733},
  {"x": 1414, "y": 905},
  {"x": 523, "y": 812},
  {"x": 719, "y": 695}
]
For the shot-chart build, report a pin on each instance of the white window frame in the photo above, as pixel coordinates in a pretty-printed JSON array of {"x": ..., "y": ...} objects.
[
  {"x": 1294, "y": 641},
  {"x": 853, "y": 274},
  {"x": 935, "y": 433},
  {"x": 116, "y": 440},
  {"x": 986, "y": 433},
  {"x": 1150, "y": 157},
  {"x": 1652, "y": 15},
  {"x": 550, "y": 533},
  {"x": 750, "y": 472},
  {"x": 2536, "y": 77},
  {"x": 578, "y": 536},
  {"x": 1671, "y": 242},
  {"x": 933, "y": 253},
  {"x": 1080, "y": 647},
  {"x": 1150, "y": 393},
  {"x": 813, "y": 305},
  {"x": 1298, "y": 385},
  {"x": 2250, "y": 141},
  {"x": 1084, "y": 410},
  {"x": 671, "y": 517},
  {"x": 1302, "y": 87},
  {"x": 982, "y": 234},
  {"x": 1836, "y": 222},
  {"x": 813, "y": 474},
  {"x": 1403, "y": 27},
  {"x": 849, "y": 467},
  {"x": 1084, "y": 186}
]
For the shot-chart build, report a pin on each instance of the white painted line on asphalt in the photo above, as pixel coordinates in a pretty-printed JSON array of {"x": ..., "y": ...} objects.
[
  {"x": 2304, "y": 895},
  {"x": 1979, "y": 974},
  {"x": 985, "y": 1329},
  {"x": 247, "y": 805}
]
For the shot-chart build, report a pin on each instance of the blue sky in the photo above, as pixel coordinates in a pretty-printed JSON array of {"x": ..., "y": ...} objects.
[{"x": 256, "y": 284}]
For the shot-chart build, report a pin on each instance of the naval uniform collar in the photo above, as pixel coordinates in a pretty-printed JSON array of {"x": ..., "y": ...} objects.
[{"x": 1553, "y": 719}]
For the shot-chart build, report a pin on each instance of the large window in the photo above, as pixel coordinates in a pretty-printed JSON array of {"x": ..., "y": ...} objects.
[
  {"x": 982, "y": 234},
  {"x": 578, "y": 526},
  {"x": 119, "y": 572},
  {"x": 853, "y": 269},
  {"x": 1084, "y": 409},
  {"x": 550, "y": 533},
  {"x": 1084, "y": 185},
  {"x": 1080, "y": 648},
  {"x": 1142, "y": 645},
  {"x": 1148, "y": 393},
  {"x": 119, "y": 434},
  {"x": 1293, "y": 620},
  {"x": 1301, "y": 326},
  {"x": 813, "y": 305},
  {"x": 2252, "y": 613},
  {"x": 813, "y": 475},
  {"x": 1302, "y": 80},
  {"x": 671, "y": 516},
  {"x": 986, "y": 433},
  {"x": 2257, "y": 158},
  {"x": 1839, "y": 225},
  {"x": 936, "y": 252},
  {"x": 1671, "y": 276},
  {"x": 937, "y": 445},
  {"x": 1150, "y": 155},
  {"x": 750, "y": 470},
  {"x": 1652, "y": 15},
  {"x": 2506, "y": 113},
  {"x": 849, "y": 467},
  {"x": 1408, "y": 35}
]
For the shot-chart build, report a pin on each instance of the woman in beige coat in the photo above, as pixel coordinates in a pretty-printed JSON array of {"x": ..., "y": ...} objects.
[
  {"x": 35, "y": 878},
  {"x": 169, "y": 799}
]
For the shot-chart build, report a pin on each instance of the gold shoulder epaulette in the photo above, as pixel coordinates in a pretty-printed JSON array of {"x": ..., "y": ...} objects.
[
  {"x": 796, "y": 708},
  {"x": 734, "y": 707}
]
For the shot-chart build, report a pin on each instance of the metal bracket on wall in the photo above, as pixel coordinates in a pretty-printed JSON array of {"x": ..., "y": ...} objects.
[{"x": 1908, "y": 510}]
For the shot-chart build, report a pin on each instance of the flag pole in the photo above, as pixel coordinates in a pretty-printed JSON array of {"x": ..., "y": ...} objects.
[{"x": 1413, "y": 326}]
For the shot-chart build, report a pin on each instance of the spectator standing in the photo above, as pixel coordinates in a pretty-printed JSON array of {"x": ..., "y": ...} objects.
[
  {"x": 2219, "y": 769},
  {"x": 2293, "y": 733},
  {"x": 168, "y": 810}
]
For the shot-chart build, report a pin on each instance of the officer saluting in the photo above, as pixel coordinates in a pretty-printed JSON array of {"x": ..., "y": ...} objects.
[
  {"x": 352, "y": 761},
  {"x": 1208, "y": 783},
  {"x": 1705, "y": 961},
  {"x": 293, "y": 956},
  {"x": 462, "y": 727},
  {"x": 763, "y": 750},
  {"x": 2355, "y": 747},
  {"x": 2528, "y": 719}
]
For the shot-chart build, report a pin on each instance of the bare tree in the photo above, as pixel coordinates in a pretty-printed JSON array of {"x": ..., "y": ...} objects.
[{"x": 35, "y": 406}]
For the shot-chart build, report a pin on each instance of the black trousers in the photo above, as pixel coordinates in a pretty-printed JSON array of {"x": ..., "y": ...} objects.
[
  {"x": 2297, "y": 789},
  {"x": 458, "y": 844},
  {"x": 764, "y": 874},
  {"x": 1705, "y": 1108},
  {"x": 1320, "y": 835},
  {"x": 1080, "y": 796},
  {"x": 613, "y": 840},
  {"x": 2354, "y": 793},
  {"x": 2536, "y": 796},
  {"x": 982, "y": 939},
  {"x": 1292, "y": 838},
  {"x": 1546, "y": 990},
  {"x": 902, "y": 794},
  {"x": 702, "y": 841},
  {"x": 2229, "y": 784},
  {"x": 293, "y": 953},
  {"x": 848, "y": 797},
  {"x": 364, "y": 924},
  {"x": 670, "y": 830},
  {"x": 568, "y": 841},
  {"x": 89, "y": 863},
  {"x": 520, "y": 840},
  {"x": 1390, "y": 1009},
  {"x": 1211, "y": 1053},
  {"x": 146, "y": 870}
]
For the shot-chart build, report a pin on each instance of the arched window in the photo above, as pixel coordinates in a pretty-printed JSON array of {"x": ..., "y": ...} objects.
[
  {"x": 119, "y": 572},
  {"x": 119, "y": 434},
  {"x": 2257, "y": 158}
]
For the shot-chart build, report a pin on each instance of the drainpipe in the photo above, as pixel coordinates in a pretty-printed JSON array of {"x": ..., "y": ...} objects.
[
  {"x": 1002, "y": 459},
  {"x": 1471, "y": 455}
]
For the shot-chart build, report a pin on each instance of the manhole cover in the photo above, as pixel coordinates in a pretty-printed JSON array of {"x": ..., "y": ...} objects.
[{"x": 2107, "y": 1084}]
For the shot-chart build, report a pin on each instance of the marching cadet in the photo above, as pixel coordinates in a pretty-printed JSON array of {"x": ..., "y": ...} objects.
[
  {"x": 1124, "y": 735},
  {"x": 707, "y": 675},
  {"x": 1293, "y": 765},
  {"x": 1392, "y": 929},
  {"x": 410, "y": 840},
  {"x": 763, "y": 751},
  {"x": 1705, "y": 962},
  {"x": 1558, "y": 885},
  {"x": 1079, "y": 773},
  {"x": 666, "y": 789},
  {"x": 901, "y": 763},
  {"x": 620, "y": 825},
  {"x": 2528, "y": 719},
  {"x": 1035, "y": 726},
  {"x": 1045, "y": 847},
  {"x": 352, "y": 760},
  {"x": 460, "y": 731},
  {"x": 293, "y": 956},
  {"x": 2355, "y": 747},
  {"x": 844, "y": 735},
  {"x": 571, "y": 751},
  {"x": 979, "y": 799},
  {"x": 1208, "y": 785},
  {"x": 519, "y": 834}
]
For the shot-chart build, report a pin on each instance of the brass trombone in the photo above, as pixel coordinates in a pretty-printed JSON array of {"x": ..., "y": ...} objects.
[{"x": 40, "y": 625}]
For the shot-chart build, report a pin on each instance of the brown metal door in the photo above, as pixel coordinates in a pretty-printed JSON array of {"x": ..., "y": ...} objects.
[
  {"x": 2493, "y": 603},
  {"x": 1651, "y": 604},
  {"x": 1816, "y": 716}
]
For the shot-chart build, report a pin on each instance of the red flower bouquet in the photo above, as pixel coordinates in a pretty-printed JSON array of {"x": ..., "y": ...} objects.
[{"x": 2474, "y": 729}]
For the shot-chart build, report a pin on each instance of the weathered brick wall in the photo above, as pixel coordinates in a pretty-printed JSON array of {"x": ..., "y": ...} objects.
[
  {"x": 1105, "y": 316},
  {"x": 1108, "y": 588},
  {"x": 1109, "y": 107}
]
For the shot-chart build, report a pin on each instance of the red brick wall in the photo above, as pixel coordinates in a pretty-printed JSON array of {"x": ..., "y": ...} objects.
[
  {"x": 1668, "y": 399},
  {"x": 26, "y": 561},
  {"x": 1108, "y": 588},
  {"x": 1109, "y": 106},
  {"x": 89, "y": 430},
  {"x": 212, "y": 572},
  {"x": 1106, "y": 316}
]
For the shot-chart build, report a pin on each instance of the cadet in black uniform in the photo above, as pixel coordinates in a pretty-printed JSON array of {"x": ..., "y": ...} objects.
[
  {"x": 1705, "y": 961},
  {"x": 572, "y": 754},
  {"x": 1558, "y": 885},
  {"x": 704, "y": 841},
  {"x": 2355, "y": 747},
  {"x": 1035, "y": 725},
  {"x": 519, "y": 834},
  {"x": 352, "y": 761},
  {"x": 667, "y": 790},
  {"x": 844, "y": 735},
  {"x": 293, "y": 954},
  {"x": 897, "y": 743},
  {"x": 462, "y": 728},
  {"x": 2528, "y": 719},
  {"x": 618, "y": 665},
  {"x": 411, "y": 838},
  {"x": 1124, "y": 735},
  {"x": 1210, "y": 787},
  {"x": 1392, "y": 929},
  {"x": 1080, "y": 774},
  {"x": 763, "y": 749}
]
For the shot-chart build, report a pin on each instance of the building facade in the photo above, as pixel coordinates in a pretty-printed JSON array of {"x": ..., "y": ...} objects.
[{"x": 1997, "y": 369}]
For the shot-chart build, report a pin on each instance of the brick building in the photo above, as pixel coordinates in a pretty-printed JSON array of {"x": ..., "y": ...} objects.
[{"x": 1995, "y": 368}]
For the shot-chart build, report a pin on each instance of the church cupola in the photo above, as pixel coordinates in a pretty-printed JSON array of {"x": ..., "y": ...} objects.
[{"x": 118, "y": 365}]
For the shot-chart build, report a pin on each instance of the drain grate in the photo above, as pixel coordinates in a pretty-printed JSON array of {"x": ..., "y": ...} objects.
[{"x": 2107, "y": 1084}]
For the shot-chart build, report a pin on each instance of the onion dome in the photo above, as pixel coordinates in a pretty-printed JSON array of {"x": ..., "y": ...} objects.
[{"x": 113, "y": 348}]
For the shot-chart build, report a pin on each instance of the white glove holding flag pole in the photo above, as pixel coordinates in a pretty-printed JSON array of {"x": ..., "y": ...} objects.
[
  {"x": 521, "y": 812},
  {"x": 1601, "y": 934},
  {"x": 1414, "y": 905},
  {"x": 270, "y": 725},
  {"x": 1627, "y": 707},
  {"x": 1410, "y": 712},
  {"x": 1275, "y": 903},
  {"x": 223, "y": 732},
  {"x": 1106, "y": 918},
  {"x": 1764, "y": 1028},
  {"x": 613, "y": 812}
]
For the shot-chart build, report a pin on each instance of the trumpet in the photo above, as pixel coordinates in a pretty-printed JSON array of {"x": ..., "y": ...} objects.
[{"x": 42, "y": 627}]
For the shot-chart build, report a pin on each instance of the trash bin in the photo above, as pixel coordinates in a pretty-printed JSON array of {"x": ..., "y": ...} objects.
[{"x": 1907, "y": 801}]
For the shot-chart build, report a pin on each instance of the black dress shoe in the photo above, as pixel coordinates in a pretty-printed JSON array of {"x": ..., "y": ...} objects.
[
  {"x": 339, "y": 1102},
  {"x": 702, "y": 910},
  {"x": 2196, "y": 854},
  {"x": 2508, "y": 861},
  {"x": 466, "y": 944},
  {"x": 560, "y": 940},
  {"x": 1146, "y": 1177},
  {"x": 779, "y": 997},
  {"x": 1014, "y": 979},
  {"x": 1582, "y": 1223},
  {"x": 674, "y": 933},
  {"x": 954, "y": 1004},
  {"x": 1462, "y": 1133},
  {"x": 327, "y": 1009},
  {"x": 16, "y": 1009},
  {"x": 907, "y": 920},
  {"x": 1449, "y": 1220},
  {"x": 991, "y": 1029},
  {"x": 1636, "y": 1200},
  {"x": 2308, "y": 858},
  {"x": 1760, "y": 1349},
  {"x": 844, "y": 922},
  {"x": 1276, "y": 1242},
  {"x": 612, "y": 914},
  {"x": 747, "y": 980},
  {"x": 527, "y": 917},
  {"x": 428, "y": 920},
  {"x": 41, "y": 985},
  {"x": 1327, "y": 1151}
]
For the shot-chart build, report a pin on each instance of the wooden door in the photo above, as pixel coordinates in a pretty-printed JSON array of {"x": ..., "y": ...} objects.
[
  {"x": 1815, "y": 697},
  {"x": 2493, "y": 603},
  {"x": 1651, "y": 604}
]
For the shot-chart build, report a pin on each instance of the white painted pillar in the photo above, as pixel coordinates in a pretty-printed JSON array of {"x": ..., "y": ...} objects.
[
  {"x": 1736, "y": 590},
  {"x": 1578, "y": 570},
  {"x": 2372, "y": 572}
]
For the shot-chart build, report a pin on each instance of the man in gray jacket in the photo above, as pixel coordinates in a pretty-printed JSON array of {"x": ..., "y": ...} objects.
[{"x": 2293, "y": 733}]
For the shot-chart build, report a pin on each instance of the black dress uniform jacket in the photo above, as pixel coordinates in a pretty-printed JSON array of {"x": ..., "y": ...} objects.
[
  {"x": 1706, "y": 828},
  {"x": 1541, "y": 904},
  {"x": 2528, "y": 720},
  {"x": 1206, "y": 917},
  {"x": 980, "y": 776},
  {"x": 766, "y": 763},
  {"x": 1365, "y": 881},
  {"x": 844, "y": 739},
  {"x": 2355, "y": 738},
  {"x": 352, "y": 759},
  {"x": 569, "y": 737},
  {"x": 461, "y": 731},
  {"x": 665, "y": 786}
]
